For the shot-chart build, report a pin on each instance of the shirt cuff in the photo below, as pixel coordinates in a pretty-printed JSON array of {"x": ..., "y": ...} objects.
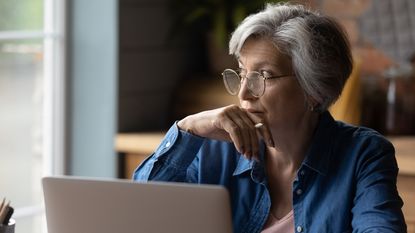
[{"x": 181, "y": 145}]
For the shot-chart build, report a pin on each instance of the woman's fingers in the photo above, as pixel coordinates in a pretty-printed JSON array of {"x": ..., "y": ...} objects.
[
  {"x": 265, "y": 133},
  {"x": 230, "y": 123},
  {"x": 234, "y": 132},
  {"x": 246, "y": 134},
  {"x": 253, "y": 137},
  {"x": 241, "y": 129},
  {"x": 234, "y": 127},
  {"x": 262, "y": 129}
]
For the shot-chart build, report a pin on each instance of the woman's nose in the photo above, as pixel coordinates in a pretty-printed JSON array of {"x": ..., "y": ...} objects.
[{"x": 244, "y": 92}]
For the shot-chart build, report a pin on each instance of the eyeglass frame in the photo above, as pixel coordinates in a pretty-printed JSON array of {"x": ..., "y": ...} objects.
[{"x": 260, "y": 75}]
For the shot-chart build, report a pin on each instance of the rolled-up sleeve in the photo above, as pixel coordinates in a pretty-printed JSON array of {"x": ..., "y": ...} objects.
[{"x": 171, "y": 159}]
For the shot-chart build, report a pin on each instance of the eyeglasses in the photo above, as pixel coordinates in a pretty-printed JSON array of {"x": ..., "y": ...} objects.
[{"x": 255, "y": 81}]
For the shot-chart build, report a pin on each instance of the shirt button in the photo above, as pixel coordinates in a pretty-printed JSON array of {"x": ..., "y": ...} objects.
[
  {"x": 302, "y": 172},
  {"x": 167, "y": 144},
  {"x": 299, "y": 191},
  {"x": 299, "y": 229}
]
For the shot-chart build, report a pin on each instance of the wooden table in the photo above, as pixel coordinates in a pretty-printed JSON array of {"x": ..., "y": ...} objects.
[
  {"x": 133, "y": 148},
  {"x": 405, "y": 154}
]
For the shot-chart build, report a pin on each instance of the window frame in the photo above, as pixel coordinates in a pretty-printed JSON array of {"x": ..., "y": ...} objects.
[{"x": 54, "y": 105}]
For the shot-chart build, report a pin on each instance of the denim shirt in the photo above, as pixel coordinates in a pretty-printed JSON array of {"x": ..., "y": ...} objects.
[{"x": 346, "y": 183}]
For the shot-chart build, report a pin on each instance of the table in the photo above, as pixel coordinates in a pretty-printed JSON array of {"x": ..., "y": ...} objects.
[{"x": 133, "y": 148}]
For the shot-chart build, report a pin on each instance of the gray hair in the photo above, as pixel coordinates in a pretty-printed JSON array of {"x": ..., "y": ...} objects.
[{"x": 316, "y": 44}]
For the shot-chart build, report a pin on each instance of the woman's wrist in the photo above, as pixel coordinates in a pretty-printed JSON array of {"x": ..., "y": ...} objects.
[{"x": 184, "y": 125}]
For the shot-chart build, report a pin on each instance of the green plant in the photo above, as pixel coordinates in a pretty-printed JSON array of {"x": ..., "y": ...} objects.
[{"x": 220, "y": 17}]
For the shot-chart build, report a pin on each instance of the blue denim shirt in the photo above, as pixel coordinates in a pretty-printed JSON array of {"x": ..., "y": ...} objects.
[{"x": 346, "y": 183}]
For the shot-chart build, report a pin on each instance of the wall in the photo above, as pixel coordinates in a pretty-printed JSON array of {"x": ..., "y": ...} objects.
[
  {"x": 150, "y": 64},
  {"x": 92, "y": 82}
]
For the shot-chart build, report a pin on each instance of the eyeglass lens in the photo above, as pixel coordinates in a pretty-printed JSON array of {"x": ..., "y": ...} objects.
[{"x": 232, "y": 82}]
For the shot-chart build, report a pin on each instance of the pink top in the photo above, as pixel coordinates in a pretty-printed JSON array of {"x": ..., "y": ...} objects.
[{"x": 283, "y": 225}]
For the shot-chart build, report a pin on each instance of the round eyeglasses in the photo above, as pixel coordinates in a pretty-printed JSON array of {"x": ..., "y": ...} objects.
[{"x": 255, "y": 81}]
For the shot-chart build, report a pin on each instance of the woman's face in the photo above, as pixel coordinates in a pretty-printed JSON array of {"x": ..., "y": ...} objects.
[{"x": 282, "y": 106}]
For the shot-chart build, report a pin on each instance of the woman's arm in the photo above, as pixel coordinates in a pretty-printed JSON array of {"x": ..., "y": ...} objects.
[
  {"x": 377, "y": 205},
  {"x": 179, "y": 147},
  {"x": 171, "y": 159}
]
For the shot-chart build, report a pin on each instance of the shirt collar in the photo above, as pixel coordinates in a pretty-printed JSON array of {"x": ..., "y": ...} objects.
[
  {"x": 256, "y": 167},
  {"x": 243, "y": 165},
  {"x": 317, "y": 157}
]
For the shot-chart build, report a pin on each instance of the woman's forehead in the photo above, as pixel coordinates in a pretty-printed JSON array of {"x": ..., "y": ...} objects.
[{"x": 262, "y": 51}]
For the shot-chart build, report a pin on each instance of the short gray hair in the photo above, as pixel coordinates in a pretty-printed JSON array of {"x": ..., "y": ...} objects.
[{"x": 316, "y": 44}]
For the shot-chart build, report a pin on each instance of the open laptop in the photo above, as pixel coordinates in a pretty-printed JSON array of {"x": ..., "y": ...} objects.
[{"x": 87, "y": 205}]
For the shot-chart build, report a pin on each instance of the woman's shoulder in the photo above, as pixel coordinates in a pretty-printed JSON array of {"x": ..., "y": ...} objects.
[
  {"x": 361, "y": 149},
  {"x": 364, "y": 147},
  {"x": 361, "y": 135}
]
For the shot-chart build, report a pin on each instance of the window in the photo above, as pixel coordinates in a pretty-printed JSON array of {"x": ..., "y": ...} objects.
[{"x": 31, "y": 103}]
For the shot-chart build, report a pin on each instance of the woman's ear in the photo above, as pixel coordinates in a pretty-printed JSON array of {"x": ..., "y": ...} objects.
[{"x": 312, "y": 104}]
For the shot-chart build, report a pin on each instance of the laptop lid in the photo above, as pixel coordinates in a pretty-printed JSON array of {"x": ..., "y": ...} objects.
[{"x": 92, "y": 205}]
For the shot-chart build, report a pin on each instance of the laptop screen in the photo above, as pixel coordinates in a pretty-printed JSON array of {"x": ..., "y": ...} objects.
[{"x": 92, "y": 205}]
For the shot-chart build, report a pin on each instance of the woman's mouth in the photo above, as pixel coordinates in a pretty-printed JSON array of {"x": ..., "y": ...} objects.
[{"x": 254, "y": 111}]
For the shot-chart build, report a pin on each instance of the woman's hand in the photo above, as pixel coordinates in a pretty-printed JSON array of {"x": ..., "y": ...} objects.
[{"x": 230, "y": 123}]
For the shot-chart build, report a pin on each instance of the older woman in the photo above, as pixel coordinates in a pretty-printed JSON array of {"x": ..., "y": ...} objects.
[{"x": 288, "y": 165}]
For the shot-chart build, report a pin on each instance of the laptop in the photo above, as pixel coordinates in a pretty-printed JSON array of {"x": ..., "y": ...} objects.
[{"x": 93, "y": 205}]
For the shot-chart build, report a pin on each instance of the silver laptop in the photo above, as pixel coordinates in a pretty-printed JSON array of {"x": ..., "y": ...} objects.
[{"x": 87, "y": 205}]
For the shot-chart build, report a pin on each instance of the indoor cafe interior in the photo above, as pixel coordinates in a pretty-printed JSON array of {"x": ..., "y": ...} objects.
[{"x": 90, "y": 88}]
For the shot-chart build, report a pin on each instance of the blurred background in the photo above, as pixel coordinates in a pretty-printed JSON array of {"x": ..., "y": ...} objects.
[{"x": 81, "y": 80}]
